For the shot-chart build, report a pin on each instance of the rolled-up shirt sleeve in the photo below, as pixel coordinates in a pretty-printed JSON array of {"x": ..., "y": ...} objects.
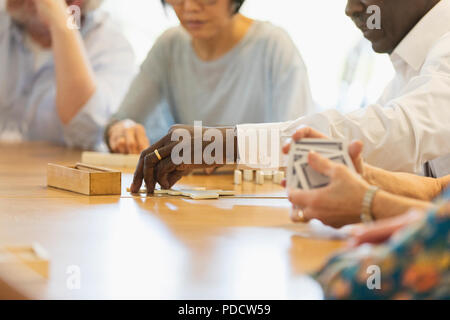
[
  {"x": 84, "y": 130},
  {"x": 147, "y": 89},
  {"x": 114, "y": 67},
  {"x": 259, "y": 145},
  {"x": 27, "y": 98}
]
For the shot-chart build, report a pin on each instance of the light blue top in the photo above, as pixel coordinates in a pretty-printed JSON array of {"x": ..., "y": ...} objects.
[
  {"x": 28, "y": 89},
  {"x": 262, "y": 79}
]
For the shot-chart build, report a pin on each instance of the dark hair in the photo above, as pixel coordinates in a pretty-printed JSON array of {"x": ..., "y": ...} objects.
[{"x": 237, "y": 4}]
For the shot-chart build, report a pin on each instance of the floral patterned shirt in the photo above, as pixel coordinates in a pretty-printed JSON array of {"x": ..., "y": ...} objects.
[{"x": 413, "y": 264}]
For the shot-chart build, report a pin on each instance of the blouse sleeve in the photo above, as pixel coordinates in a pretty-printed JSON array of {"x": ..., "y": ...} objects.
[
  {"x": 146, "y": 90},
  {"x": 414, "y": 264},
  {"x": 291, "y": 95}
]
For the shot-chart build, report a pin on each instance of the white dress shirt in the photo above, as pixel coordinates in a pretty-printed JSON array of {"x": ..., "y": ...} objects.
[{"x": 408, "y": 126}]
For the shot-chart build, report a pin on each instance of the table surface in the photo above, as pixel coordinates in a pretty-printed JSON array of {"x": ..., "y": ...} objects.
[{"x": 127, "y": 247}]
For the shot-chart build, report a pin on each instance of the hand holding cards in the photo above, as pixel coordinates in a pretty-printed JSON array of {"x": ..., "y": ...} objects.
[{"x": 300, "y": 175}]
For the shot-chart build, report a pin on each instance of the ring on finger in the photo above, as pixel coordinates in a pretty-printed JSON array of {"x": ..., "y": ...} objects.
[
  {"x": 157, "y": 154},
  {"x": 297, "y": 215}
]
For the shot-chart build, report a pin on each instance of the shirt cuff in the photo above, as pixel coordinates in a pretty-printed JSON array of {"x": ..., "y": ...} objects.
[
  {"x": 259, "y": 145},
  {"x": 85, "y": 129}
]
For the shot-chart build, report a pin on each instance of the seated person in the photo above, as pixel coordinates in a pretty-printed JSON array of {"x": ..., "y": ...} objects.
[
  {"x": 408, "y": 126},
  {"x": 337, "y": 204},
  {"x": 218, "y": 67},
  {"x": 405, "y": 130},
  {"x": 340, "y": 203},
  {"x": 60, "y": 84},
  {"x": 414, "y": 264}
]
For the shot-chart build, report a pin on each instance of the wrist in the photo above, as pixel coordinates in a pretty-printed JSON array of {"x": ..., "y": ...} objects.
[
  {"x": 59, "y": 24},
  {"x": 384, "y": 206},
  {"x": 381, "y": 202},
  {"x": 441, "y": 186},
  {"x": 59, "y": 28},
  {"x": 368, "y": 174},
  {"x": 367, "y": 207},
  {"x": 107, "y": 133}
]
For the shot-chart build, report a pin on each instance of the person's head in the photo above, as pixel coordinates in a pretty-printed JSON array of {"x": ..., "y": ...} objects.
[
  {"x": 23, "y": 12},
  {"x": 204, "y": 19},
  {"x": 398, "y": 17}
]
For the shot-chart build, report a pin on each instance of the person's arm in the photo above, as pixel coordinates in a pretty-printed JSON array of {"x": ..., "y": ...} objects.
[
  {"x": 381, "y": 231},
  {"x": 405, "y": 184},
  {"x": 184, "y": 148},
  {"x": 75, "y": 79},
  {"x": 113, "y": 63},
  {"x": 399, "y": 136},
  {"x": 125, "y": 132},
  {"x": 341, "y": 202},
  {"x": 386, "y": 205},
  {"x": 414, "y": 253},
  {"x": 445, "y": 182}
]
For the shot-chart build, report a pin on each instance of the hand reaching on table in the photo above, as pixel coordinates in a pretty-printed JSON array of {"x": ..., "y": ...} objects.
[
  {"x": 382, "y": 230},
  {"x": 127, "y": 137},
  {"x": 179, "y": 152}
]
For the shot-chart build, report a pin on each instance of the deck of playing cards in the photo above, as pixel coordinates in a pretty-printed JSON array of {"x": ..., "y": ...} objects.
[{"x": 299, "y": 173}]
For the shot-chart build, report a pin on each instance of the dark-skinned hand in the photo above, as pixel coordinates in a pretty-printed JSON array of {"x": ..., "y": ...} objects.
[{"x": 151, "y": 170}]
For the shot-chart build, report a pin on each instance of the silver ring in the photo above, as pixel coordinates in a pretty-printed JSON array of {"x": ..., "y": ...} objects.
[{"x": 297, "y": 215}]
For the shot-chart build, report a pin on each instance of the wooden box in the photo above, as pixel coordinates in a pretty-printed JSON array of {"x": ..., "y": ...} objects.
[
  {"x": 85, "y": 179},
  {"x": 110, "y": 159},
  {"x": 33, "y": 257}
]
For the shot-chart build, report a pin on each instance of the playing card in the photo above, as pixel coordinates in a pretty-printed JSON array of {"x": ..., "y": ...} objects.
[
  {"x": 301, "y": 181},
  {"x": 300, "y": 175},
  {"x": 308, "y": 149},
  {"x": 312, "y": 179},
  {"x": 321, "y": 144},
  {"x": 292, "y": 177}
]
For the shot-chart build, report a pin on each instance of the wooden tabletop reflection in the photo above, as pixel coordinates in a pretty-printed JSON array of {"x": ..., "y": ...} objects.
[{"x": 156, "y": 247}]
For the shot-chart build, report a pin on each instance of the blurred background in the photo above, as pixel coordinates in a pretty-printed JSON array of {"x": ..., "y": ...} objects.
[{"x": 344, "y": 72}]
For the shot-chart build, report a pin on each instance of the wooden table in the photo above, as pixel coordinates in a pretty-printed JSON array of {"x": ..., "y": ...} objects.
[{"x": 156, "y": 247}]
